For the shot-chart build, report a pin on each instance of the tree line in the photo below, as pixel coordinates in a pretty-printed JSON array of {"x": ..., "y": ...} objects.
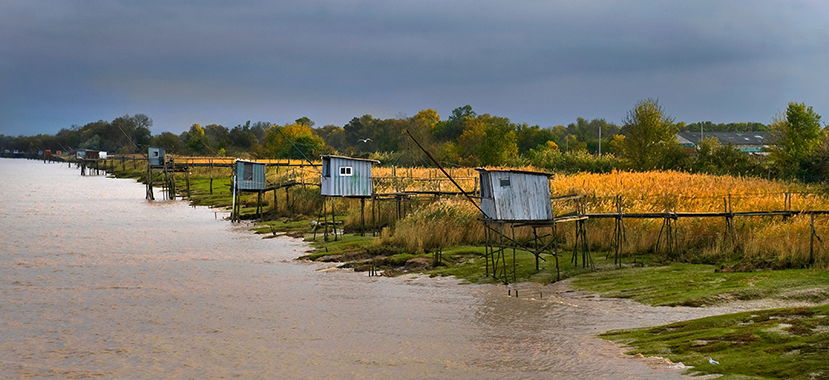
[{"x": 644, "y": 140}]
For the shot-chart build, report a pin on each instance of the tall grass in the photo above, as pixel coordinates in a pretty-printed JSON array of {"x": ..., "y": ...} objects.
[{"x": 427, "y": 224}]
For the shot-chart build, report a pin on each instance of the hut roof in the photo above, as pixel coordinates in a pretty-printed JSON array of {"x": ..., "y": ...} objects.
[
  {"x": 350, "y": 158},
  {"x": 514, "y": 171}
]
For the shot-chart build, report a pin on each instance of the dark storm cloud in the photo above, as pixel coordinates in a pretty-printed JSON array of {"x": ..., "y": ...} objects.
[{"x": 542, "y": 62}]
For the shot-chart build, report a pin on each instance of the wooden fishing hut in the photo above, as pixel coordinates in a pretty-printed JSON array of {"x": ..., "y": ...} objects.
[
  {"x": 88, "y": 158},
  {"x": 510, "y": 199},
  {"x": 156, "y": 156},
  {"x": 248, "y": 176},
  {"x": 345, "y": 177},
  {"x": 158, "y": 160}
]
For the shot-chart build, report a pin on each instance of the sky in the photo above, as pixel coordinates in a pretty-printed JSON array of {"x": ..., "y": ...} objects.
[{"x": 541, "y": 62}]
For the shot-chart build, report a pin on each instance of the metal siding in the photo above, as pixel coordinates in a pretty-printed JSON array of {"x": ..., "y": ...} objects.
[
  {"x": 156, "y": 161},
  {"x": 358, "y": 184},
  {"x": 258, "y": 182},
  {"x": 527, "y": 197}
]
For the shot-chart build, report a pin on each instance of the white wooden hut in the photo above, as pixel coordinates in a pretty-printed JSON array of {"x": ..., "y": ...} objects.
[{"x": 515, "y": 195}]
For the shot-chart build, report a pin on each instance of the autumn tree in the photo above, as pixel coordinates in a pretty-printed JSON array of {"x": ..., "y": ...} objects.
[
  {"x": 488, "y": 140},
  {"x": 796, "y": 137},
  {"x": 292, "y": 141},
  {"x": 650, "y": 136},
  {"x": 196, "y": 140},
  {"x": 422, "y": 127}
]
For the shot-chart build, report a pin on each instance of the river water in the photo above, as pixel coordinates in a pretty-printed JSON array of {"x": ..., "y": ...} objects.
[{"x": 96, "y": 281}]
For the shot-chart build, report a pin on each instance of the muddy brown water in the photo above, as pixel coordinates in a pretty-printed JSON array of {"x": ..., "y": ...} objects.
[{"x": 96, "y": 281}]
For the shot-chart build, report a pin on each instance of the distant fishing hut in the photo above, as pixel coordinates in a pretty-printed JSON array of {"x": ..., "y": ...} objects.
[
  {"x": 345, "y": 177},
  {"x": 248, "y": 176},
  {"x": 157, "y": 159},
  {"x": 86, "y": 158},
  {"x": 156, "y": 156}
]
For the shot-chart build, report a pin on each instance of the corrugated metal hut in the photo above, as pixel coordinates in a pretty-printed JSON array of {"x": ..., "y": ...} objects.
[
  {"x": 515, "y": 195},
  {"x": 156, "y": 156},
  {"x": 346, "y": 176},
  {"x": 250, "y": 175}
]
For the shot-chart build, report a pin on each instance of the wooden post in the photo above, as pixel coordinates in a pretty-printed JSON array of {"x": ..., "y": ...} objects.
[
  {"x": 149, "y": 195},
  {"x": 210, "y": 170},
  {"x": 362, "y": 217},
  {"x": 274, "y": 202},
  {"x": 187, "y": 179},
  {"x": 259, "y": 204},
  {"x": 288, "y": 199},
  {"x": 333, "y": 220},
  {"x": 374, "y": 218}
]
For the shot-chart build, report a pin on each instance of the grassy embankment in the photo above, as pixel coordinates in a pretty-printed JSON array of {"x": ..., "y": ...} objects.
[
  {"x": 789, "y": 343},
  {"x": 777, "y": 343}
]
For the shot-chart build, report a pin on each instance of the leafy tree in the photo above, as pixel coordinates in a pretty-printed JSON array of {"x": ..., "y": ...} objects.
[
  {"x": 715, "y": 158},
  {"x": 650, "y": 140},
  {"x": 169, "y": 141},
  {"x": 292, "y": 141},
  {"x": 333, "y": 135},
  {"x": 488, "y": 140},
  {"x": 796, "y": 138},
  {"x": 195, "y": 139},
  {"x": 452, "y": 128},
  {"x": 816, "y": 167},
  {"x": 217, "y": 137},
  {"x": 305, "y": 120},
  {"x": 422, "y": 126},
  {"x": 531, "y": 137}
]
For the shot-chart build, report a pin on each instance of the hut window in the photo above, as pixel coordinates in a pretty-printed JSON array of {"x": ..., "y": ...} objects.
[
  {"x": 155, "y": 154},
  {"x": 248, "y": 172},
  {"x": 504, "y": 182},
  {"x": 326, "y": 168},
  {"x": 345, "y": 171}
]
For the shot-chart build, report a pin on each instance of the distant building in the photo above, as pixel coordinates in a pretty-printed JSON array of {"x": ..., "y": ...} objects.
[
  {"x": 515, "y": 195},
  {"x": 346, "y": 177},
  {"x": 747, "y": 142}
]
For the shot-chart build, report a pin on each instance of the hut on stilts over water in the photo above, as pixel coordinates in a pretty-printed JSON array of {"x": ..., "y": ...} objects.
[
  {"x": 513, "y": 199},
  {"x": 248, "y": 176},
  {"x": 158, "y": 160},
  {"x": 344, "y": 177}
]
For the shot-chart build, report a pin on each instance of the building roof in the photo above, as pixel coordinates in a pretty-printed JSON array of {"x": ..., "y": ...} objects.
[
  {"x": 514, "y": 171},
  {"x": 350, "y": 158},
  {"x": 732, "y": 138},
  {"x": 250, "y": 162}
]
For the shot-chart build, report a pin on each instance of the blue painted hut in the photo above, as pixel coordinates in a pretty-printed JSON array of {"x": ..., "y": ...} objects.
[
  {"x": 249, "y": 175},
  {"x": 346, "y": 176},
  {"x": 156, "y": 156}
]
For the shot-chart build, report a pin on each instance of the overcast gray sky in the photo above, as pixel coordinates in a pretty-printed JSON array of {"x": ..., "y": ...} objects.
[{"x": 66, "y": 62}]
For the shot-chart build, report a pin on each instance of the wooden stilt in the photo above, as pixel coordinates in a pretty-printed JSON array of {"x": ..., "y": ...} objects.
[{"x": 362, "y": 217}]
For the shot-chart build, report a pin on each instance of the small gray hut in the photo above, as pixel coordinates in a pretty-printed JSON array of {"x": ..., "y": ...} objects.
[
  {"x": 515, "y": 195},
  {"x": 346, "y": 176},
  {"x": 249, "y": 175},
  {"x": 156, "y": 156}
]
